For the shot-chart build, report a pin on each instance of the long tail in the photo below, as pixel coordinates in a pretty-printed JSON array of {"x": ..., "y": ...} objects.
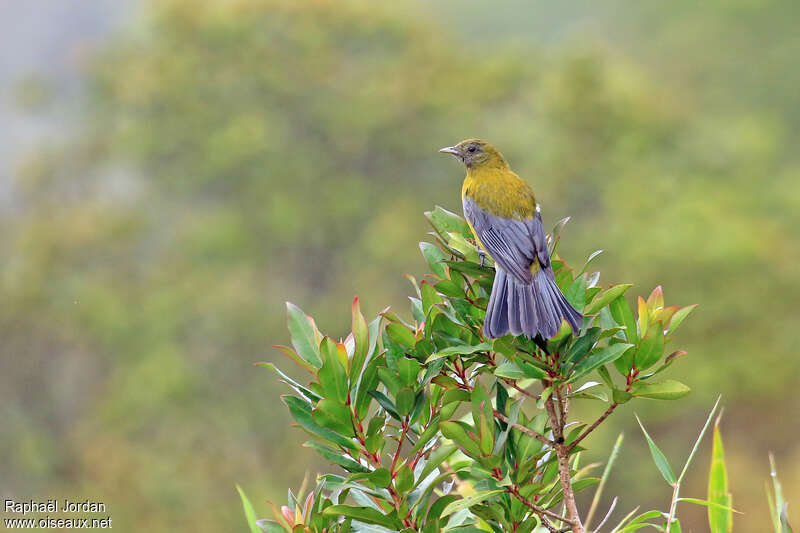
[{"x": 530, "y": 309}]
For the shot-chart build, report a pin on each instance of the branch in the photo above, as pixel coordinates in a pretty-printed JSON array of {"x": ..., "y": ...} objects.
[
  {"x": 527, "y": 431},
  {"x": 562, "y": 456},
  {"x": 593, "y": 426},
  {"x": 537, "y": 508},
  {"x": 513, "y": 384}
]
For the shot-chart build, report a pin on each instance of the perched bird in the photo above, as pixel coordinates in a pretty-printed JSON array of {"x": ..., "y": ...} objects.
[{"x": 502, "y": 211}]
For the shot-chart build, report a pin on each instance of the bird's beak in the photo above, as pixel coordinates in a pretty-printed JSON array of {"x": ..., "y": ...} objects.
[{"x": 449, "y": 150}]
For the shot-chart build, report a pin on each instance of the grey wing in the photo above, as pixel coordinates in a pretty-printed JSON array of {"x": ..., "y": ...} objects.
[{"x": 513, "y": 244}]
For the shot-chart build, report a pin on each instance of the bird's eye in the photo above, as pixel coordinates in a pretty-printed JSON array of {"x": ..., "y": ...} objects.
[{"x": 471, "y": 148}]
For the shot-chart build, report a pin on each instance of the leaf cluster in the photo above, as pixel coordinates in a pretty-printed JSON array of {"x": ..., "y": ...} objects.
[{"x": 438, "y": 428}]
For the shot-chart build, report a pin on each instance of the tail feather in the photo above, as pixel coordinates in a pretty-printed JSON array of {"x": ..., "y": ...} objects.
[
  {"x": 496, "y": 322},
  {"x": 531, "y": 309}
]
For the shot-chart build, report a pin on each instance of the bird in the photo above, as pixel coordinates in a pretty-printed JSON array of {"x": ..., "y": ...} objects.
[{"x": 503, "y": 214}]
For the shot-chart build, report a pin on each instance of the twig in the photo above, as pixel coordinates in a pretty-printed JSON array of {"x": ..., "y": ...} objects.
[
  {"x": 593, "y": 426},
  {"x": 538, "y": 508},
  {"x": 527, "y": 431},
  {"x": 673, "y": 504},
  {"x": 562, "y": 456},
  {"x": 514, "y": 385},
  {"x": 399, "y": 445}
]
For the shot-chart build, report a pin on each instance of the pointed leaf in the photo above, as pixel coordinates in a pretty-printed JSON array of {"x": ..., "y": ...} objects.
[
  {"x": 332, "y": 375},
  {"x": 336, "y": 457},
  {"x": 605, "y": 298},
  {"x": 679, "y": 317},
  {"x": 434, "y": 256},
  {"x": 303, "y": 334},
  {"x": 720, "y": 520},
  {"x": 663, "y": 390},
  {"x": 658, "y": 457},
  {"x": 361, "y": 338},
  {"x": 622, "y": 313},
  {"x": 249, "y": 512},
  {"x": 597, "y": 358},
  {"x": 466, "y": 503},
  {"x": 331, "y": 414},
  {"x": 444, "y": 221},
  {"x": 365, "y": 514},
  {"x": 401, "y": 334},
  {"x": 456, "y": 432}
]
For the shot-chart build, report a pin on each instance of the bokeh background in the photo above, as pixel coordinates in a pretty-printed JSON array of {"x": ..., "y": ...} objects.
[{"x": 172, "y": 171}]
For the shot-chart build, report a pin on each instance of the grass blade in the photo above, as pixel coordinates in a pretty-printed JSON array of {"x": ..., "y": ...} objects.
[
  {"x": 720, "y": 514},
  {"x": 249, "y": 512},
  {"x": 599, "y": 492},
  {"x": 659, "y": 458},
  {"x": 699, "y": 438}
]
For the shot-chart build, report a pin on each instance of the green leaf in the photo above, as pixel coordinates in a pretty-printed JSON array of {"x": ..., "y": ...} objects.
[
  {"x": 331, "y": 414},
  {"x": 556, "y": 343},
  {"x": 427, "y": 435},
  {"x": 294, "y": 356},
  {"x": 720, "y": 520},
  {"x": 301, "y": 412},
  {"x": 361, "y": 339},
  {"x": 582, "y": 346},
  {"x": 408, "y": 369},
  {"x": 304, "y": 339},
  {"x": 390, "y": 379},
  {"x": 365, "y": 514},
  {"x": 380, "y": 477},
  {"x": 658, "y": 457},
  {"x": 464, "y": 349},
  {"x": 444, "y": 221},
  {"x": 249, "y": 512},
  {"x": 606, "y": 298},
  {"x": 430, "y": 296},
  {"x": 458, "y": 242},
  {"x": 336, "y": 457},
  {"x": 332, "y": 375},
  {"x": 650, "y": 348},
  {"x": 576, "y": 292},
  {"x": 469, "y": 501},
  {"x": 401, "y": 334},
  {"x": 386, "y": 403},
  {"x": 679, "y": 317},
  {"x": 509, "y": 370},
  {"x": 439, "y": 456},
  {"x": 434, "y": 256},
  {"x": 270, "y": 526},
  {"x": 455, "y": 395},
  {"x": 483, "y": 417},
  {"x": 404, "y": 401},
  {"x": 474, "y": 270},
  {"x": 439, "y": 505},
  {"x": 710, "y": 505},
  {"x": 699, "y": 439},
  {"x": 598, "y": 358},
  {"x": 663, "y": 390},
  {"x": 404, "y": 479},
  {"x": 622, "y": 313},
  {"x": 603, "y": 371},
  {"x": 292, "y": 383},
  {"x": 456, "y": 432},
  {"x": 620, "y": 396},
  {"x": 531, "y": 371}
]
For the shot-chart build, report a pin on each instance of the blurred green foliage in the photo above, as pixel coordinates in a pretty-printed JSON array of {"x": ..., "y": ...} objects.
[{"x": 238, "y": 154}]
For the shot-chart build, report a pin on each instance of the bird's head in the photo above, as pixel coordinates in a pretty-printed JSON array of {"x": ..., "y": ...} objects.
[{"x": 476, "y": 153}]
